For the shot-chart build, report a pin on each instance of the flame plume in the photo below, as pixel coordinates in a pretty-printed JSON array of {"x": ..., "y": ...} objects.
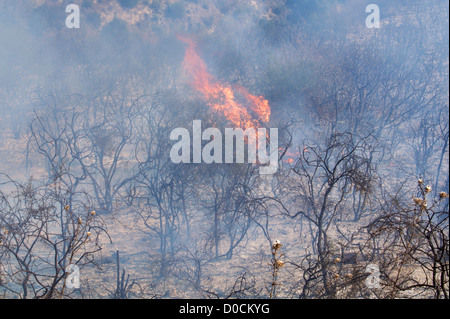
[{"x": 223, "y": 97}]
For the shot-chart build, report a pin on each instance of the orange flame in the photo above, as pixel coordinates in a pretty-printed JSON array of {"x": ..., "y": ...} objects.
[{"x": 223, "y": 98}]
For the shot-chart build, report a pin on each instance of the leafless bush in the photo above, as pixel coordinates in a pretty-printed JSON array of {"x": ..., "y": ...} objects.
[
  {"x": 414, "y": 245},
  {"x": 40, "y": 239}
]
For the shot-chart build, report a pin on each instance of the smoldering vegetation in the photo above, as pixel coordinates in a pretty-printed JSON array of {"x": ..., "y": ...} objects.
[{"x": 357, "y": 209}]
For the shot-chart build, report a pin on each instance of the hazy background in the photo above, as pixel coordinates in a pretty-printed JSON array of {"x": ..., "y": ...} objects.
[{"x": 90, "y": 111}]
